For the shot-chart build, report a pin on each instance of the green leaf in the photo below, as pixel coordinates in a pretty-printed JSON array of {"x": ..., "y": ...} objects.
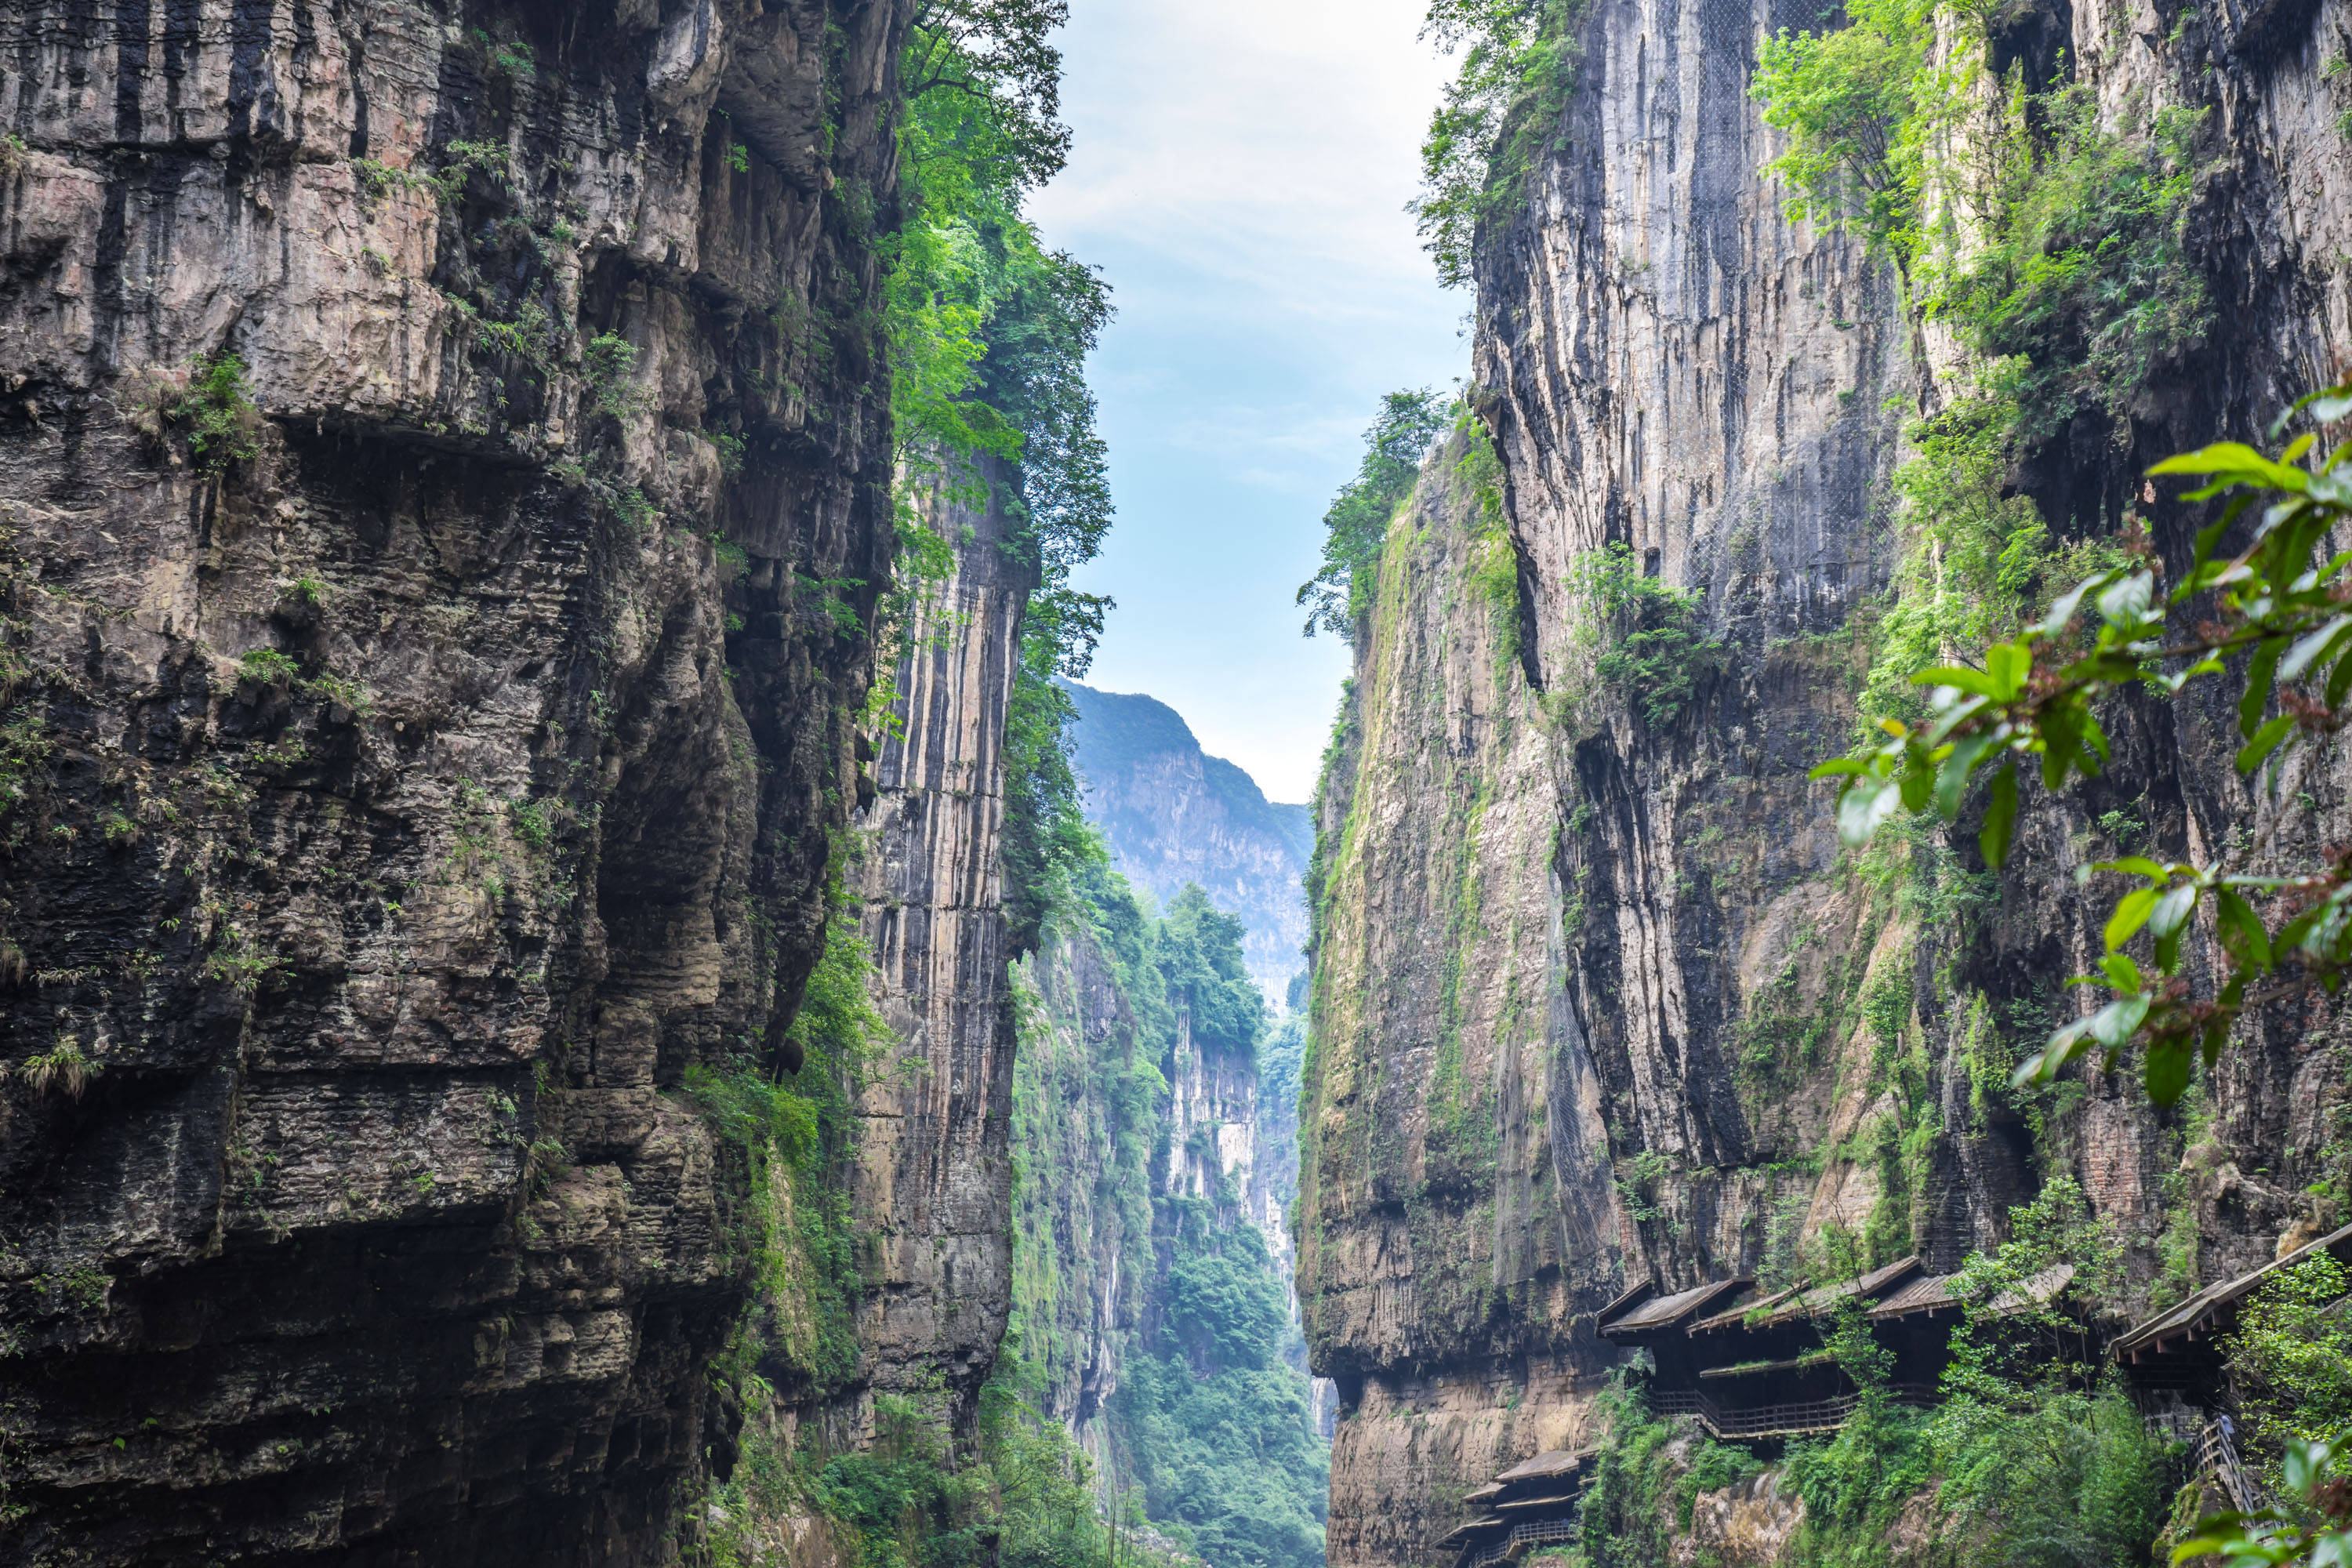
[
  {"x": 2128, "y": 598},
  {"x": 2339, "y": 680},
  {"x": 2305, "y": 1465},
  {"x": 2098, "y": 738},
  {"x": 2167, "y": 1069},
  {"x": 2118, "y": 1020},
  {"x": 1960, "y": 678},
  {"x": 2308, "y": 648},
  {"x": 2134, "y": 865},
  {"x": 1918, "y": 784},
  {"x": 2242, "y": 930},
  {"x": 2054, "y": 624},
  {"x": 2009, "y": 664},
  {"x": 2236, "y": 463},
  {"x": 1840, "y": 766},
  {"x": 2131, "y": 913},
  {"x": 2266, "y": 740},
  {"x": 2061, "y": 739},
  {"x": 2170, "y": 922},
  {"x": 2064, "y": 1046},
  {"x": 1862, "y": 808},
  {"x": 2260, "y": 671},
  {"x": 2212, "y": 1038},
  {"x": 1952, "y": 778},
  {"x": 2000, "y": 818},
  {"x": 2122, "y": 973}
]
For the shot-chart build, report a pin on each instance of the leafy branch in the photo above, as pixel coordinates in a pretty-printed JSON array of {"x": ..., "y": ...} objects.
[{"x": 2033, "y": 704}]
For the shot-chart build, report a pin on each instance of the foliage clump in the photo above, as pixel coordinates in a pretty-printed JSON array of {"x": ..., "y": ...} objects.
[
  {"x": 1214, "y": 1425},
  {"x": 1650, "y": 642},
  {"x": 2050, "y": 244},
  {"x": 2030, "y": 1461},
  {"x": 1501, "y": 112},
  {"x": 210, "y": 406},
  {"x": 989, "y": 328},
  {"x": 2291, "y": 1357},
  {"x": 1357, "y": 525}
]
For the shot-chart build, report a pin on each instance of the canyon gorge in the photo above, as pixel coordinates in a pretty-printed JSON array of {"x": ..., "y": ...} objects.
[{"x": 584, "y": 981}]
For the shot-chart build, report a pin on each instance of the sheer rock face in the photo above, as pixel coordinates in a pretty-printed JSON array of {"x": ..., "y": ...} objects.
[
  {"x": 394, "y": 808},
  {"x": 1078, "y": 1285},
  {"x": 934, "y": 1183},
  {"x": 1589, "y": 986}
]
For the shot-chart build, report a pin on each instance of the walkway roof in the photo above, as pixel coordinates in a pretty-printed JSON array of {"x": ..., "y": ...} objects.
[
  {"x": 1933, "y": 1293},
  {"x": 1792, "y": 1305},
  {"x": 1637, "y": 1313},
  {"x": 2214, "y": 1310}
]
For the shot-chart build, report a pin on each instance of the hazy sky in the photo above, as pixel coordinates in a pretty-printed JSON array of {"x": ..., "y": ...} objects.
[{"x": 1240, "y": 174}]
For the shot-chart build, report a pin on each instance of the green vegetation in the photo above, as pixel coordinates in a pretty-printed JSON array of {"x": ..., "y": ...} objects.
[
  {"x": 987, "y": 332},
  {"x": 2051, "y": 251},
  {"x": 1650, "y": 644},
  {"x": 2310, "y": 1523},
  {"x": 2037, "y": 697},
  {"x": 1018, "y": 1496},
  {"x": 1499, "y": 115},
  {"x": 2290, "y": 1358},
  {"x": 211, "y": 408},
  {"x": 1644, "y": 1490},
  {"x": 989, "y": 329},
  {"x": 63, "y": 1068},
  {"x": 1357, "y": 525},
  {"x": 1859, "y": 104},
  {"x": 2028, "y": 1463},
  {"x": 610, "y": 362},
  {"x": 1213, "y": 1424},
  {"x": 1209, "y": 1430}
]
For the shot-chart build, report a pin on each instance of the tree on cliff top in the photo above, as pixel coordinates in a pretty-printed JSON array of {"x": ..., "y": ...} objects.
[
  {"x": 1500, "y": 114},
  {"x": 990, "y": 328},
  {"x": 1410, "y": 422}
]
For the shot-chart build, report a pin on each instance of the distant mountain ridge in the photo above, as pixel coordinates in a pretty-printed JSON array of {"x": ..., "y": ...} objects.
[{"x": 1171, "y": 814}]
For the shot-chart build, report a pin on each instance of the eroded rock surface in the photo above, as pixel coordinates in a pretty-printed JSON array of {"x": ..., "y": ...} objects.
[
  {"x": 934, "y": 1183},
  {"x": 421, "y": 746},
  {"x": 1590, "y": 982}
]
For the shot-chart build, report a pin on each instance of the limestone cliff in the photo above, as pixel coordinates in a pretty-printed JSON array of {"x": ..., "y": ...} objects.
[
  {"x": 1150, "y": 1304},
  {"x": 444, "y": 484},
  {"x": 1597, "y": 996},
  {"x": 1170, "y": 813},
  {"x": 934, "y": 1183}
]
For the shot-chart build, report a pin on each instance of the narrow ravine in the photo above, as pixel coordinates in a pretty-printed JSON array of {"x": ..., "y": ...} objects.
[{"x": 594, "y": 976}]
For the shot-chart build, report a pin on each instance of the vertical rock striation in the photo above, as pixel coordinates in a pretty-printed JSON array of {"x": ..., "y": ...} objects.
[
  {"x": 934, "y": 1183},
  {"x": 444, "y": 466},
  {"x": 1597, "y": 997}
]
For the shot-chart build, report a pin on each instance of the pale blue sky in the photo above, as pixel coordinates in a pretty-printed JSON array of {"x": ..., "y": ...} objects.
[{"x": 1240, "y": 173}]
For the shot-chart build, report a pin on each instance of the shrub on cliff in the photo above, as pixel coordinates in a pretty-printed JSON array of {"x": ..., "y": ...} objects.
[
  {"x": 1499, "y": 115},
  {"x": 1648, "y": 640}
]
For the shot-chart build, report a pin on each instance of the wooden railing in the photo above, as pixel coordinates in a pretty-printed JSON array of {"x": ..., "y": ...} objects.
[
  {"x": 1774, "y": 1420},
  {"x": 2217, "y": 1456},
  {"x": 1533, "y": 1532}
]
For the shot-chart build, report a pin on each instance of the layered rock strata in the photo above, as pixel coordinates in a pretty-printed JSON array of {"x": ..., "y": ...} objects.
[
  {"x": 1597, "y": 996},
  {"x": 444, "y": 470}
]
